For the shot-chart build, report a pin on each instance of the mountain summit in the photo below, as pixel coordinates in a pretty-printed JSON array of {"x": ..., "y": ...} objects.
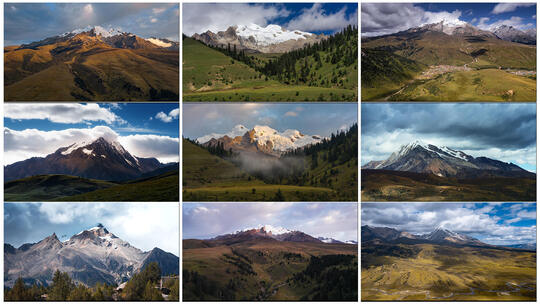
[
  {"x": 252, "y": 37},
  {"x": 440, "y": 236},
  {"x": 445, "y": 162},
  {"x": 90, "y": 256},
  {"x": 103, "y": 159},
  {"x": 260, "y": 138}
]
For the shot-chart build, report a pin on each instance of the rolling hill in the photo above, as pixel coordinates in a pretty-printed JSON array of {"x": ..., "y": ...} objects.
[
  {"x": 323, "y": 71},
  {"x": 92, "y": 65},
  {"x": 255, "y": 265},
  {"x": 459, "y": 62},
  {"x": 443, "y": 266}
]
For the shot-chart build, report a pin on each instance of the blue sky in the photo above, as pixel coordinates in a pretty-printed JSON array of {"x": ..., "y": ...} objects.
[
  {"x": 387, "y": 18},
  {"x": 143, "y": 225},
  {"x": 316, "y": 18},
  {"x": 144, "y": 129},
  {"x": 28, "y": 22},
  {"x": 505, "y": 132},
  {"x": 492, "y": 223},
  {"x": 308, "y": 118},
  {"x": 208, "y": 220}
]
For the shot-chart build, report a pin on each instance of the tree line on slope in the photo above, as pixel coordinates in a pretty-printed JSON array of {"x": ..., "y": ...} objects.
[{"x": 143, "y": 286}]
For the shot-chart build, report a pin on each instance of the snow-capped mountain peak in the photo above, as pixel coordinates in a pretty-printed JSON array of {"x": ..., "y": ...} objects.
[
  {"x": 262, "y": 135},
  {"x": 271, "y": 34},
  {"x": 274, "y": 230},
  {"x": 269, "y": 229}
]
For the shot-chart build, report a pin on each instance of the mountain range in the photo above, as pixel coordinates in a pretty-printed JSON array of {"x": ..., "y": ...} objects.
[
  {"x": 440, "y": 235},
  {"x": 257, "y": 39},
  {"x": 91, "y": 256},
  {"x": 260, "y": 139},
  {"x": 103, "y": 159},
  {"x": 270, "y": 233},
  {"x": 92, "y": 64},
  {"x": 420, "y": 157}
]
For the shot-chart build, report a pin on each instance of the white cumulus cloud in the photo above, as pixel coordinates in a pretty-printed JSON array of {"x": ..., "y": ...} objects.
[
  {"x": 60, "y": 113},
  {"x": 509, "y": 7}
]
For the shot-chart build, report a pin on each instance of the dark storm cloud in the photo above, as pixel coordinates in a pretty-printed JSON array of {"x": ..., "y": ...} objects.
[
  {"x": 494, "y": 223},
  {"x": 508, "y": 126},
  {"x": 27, "y": 22}
]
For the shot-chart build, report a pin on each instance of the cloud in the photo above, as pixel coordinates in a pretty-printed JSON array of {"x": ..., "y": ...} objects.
[
  {"x": 60, "y": 113},
  {"x": 515, "y": 21},
  {"x": 153, "y": 20},
  {"x": 509, "y": 7},
  {"x": 158, "y": 10},
  {"x": 143, "y": 225},
  {"x": 468, "y": 218},
  {"x": 168, "y": 117},
  {"x": 36, "y": 21},
  {"x": 291, "y": 114},
  {"x": 21, "y": 145},
  {"x": 317, "y": 19},
  {"x": 500, "y": 131},
  {"x": 164, "y": 148},
  {"x": 386, "y": 18},
  {"x": 321, "y": 119},
  {"x": 202, "y": 17},
  {"x": 336, "y": 220}
]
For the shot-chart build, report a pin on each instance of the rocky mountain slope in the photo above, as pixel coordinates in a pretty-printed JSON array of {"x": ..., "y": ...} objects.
[
  {"x": 420, "y": 157},
  {"x": 92, "y": 64},
  {"x": 252, "y": 37},
  {"x": 510, "y": 33},
  {"x": 260, "y": 139},
  {"x": 439, "y": 236},
  {"x": 101, "y": 159},
  {"x": 91, "y": 256}
]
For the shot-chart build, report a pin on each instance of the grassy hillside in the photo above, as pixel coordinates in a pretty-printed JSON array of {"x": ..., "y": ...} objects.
[
  {"x": 49, "y": 187},
  {"x": 210, "y": 75},
  {"x": 382, "y": 185},
  {"x": 164, "y": 187},
  {"x": 61, "y": 72},
  {"x": 270, "y": 270},
  {"x": 439, "y": 272},
  {"x": 207, "y": 177},
  {"x": 384, "y": 72},
  {"x": 470, "y": 68},
  {"x": 435, "y": 48}
]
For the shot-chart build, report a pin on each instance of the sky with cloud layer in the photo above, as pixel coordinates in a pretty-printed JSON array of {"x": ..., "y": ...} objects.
[
  {"x": 28, "y": 22},
  {"x": 387, "y": 18},
  {"x": 208, "y": 220},
  {"x": 143, "y": 225},
  {"x": 506, "y": 132},
  {"x": 492, "y": 223},
  {"x": 39, "y": 129},
  {"x": 308, "y": 118},
  {"x": 316, "y": 18}
]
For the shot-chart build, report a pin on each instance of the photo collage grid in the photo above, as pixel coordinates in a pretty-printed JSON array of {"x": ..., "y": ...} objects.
[{"x": 258, "y": 151}]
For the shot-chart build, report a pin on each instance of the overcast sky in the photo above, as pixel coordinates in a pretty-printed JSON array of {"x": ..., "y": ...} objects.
[
  {"x": 387, "y": 18},
  {"x": 308, "y": 118},
  {"x": 28, "y": 22},
  {"x": 316, "y": 18},
  {"x": 143, "y": 225},
  {"x": 39, "y": 129},
  {"x": 208, "y": 220},
  {"x": 505, "y": 132},
  {"x": 492, "y": 223}
]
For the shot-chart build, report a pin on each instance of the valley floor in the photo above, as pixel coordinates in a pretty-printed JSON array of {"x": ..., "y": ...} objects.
[
  {"x": 461, "y": 83},
  {"x": 273, "y": 92},
  {"x": 447, "y": 273},
  {"x": 383, "y": 185}
]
